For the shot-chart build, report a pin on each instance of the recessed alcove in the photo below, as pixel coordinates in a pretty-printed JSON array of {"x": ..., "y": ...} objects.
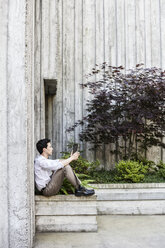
[{"x": 50, "y": 86}]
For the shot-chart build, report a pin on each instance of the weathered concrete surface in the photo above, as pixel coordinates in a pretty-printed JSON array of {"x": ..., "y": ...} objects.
[
  {"x": 143, "y": 207},
  {"x": 76, "y": 223},
  {"x": 64, "y": 213},
  {"x": 66, "y": 208},
  {"x": 131, "y": 198},
  {"x": 3, "y": 125},
  {"x": 69, "y": 213},
  {"x": 130, "y": 194},
  {"x": 128, "y": 185},
  {"x": 64, "y": 198},
  {"x": 113, "y": 232},
  {"x": 16, "y": 124}
]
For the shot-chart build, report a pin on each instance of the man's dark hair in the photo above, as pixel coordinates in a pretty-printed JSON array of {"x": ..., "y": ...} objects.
[{"x": 42, "y": 144}]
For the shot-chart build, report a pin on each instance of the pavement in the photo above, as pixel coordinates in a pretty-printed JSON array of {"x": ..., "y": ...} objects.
[{"x": 114, "y": 231}]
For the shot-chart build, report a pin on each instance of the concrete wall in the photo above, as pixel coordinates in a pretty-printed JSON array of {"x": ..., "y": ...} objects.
[
  {"x": 3, "y": 126},
  {"x": 71, "y": 36},
  {"x": 16, "y": 124}
]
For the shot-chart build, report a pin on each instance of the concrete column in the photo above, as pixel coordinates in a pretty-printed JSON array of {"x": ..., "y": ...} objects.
[
  {"x": 16, "y": 124},
  {"x": 29, "y": 79},
  {"x": 3, "y": 126}
]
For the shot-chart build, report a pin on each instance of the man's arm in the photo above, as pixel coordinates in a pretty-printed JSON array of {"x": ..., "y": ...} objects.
[{"x": 69, "y": 160}]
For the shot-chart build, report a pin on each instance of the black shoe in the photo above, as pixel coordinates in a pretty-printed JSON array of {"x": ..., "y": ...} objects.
[
  {"x": 82, "y": 191},
  {"x": 89, "y": 190}
]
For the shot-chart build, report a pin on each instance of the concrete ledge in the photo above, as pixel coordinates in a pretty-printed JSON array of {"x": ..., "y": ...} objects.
[
  {"x": 156, "y": 207},
  {"x": 66, "y": 208},
  {"x": 66, "y": 223},
  {"x": 63, "y": 213},
  {"x": 128, "y": 185},
  {"x": 130, "y": 194},
  {"x": 64, "y": 198},
  {"x": 148, "y": 198}
]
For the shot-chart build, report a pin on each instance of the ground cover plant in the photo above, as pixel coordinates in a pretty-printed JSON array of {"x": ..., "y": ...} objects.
[
  {"x": 131, "y": 171},
  {"x": 139, "y": 170}
]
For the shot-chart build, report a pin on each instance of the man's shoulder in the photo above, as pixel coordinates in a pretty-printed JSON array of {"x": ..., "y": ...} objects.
[{"x": 39, "y": 158}]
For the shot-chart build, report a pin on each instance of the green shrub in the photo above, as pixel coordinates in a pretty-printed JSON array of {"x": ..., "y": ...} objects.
[
  {"x": 82, "y": 165},
  {"x": 82, "y": 168},
  {"x": 152, "y": 168},
  {"x": 130, "y": 171},
  {"x": 103, "y": 176},
  {"x": 143, "y": 160},
  {"x": 67, "y": 187},
  {"x": 161, "y": 169}
]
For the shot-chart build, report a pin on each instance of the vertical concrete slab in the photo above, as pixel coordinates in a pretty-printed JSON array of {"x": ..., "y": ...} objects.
[
  {"x": 68, "y": 71},
  {"x": 17, "y": 127},
  {"x": 3, "y": 125},
  {"x": 100, "y": 58},
  {"x": 78, "y": 68},
  {"x": 57, "y": 101},
  {"x": 110, "y": 47},
  {"x": 16, "y": 124},
  {"x": 89, "y": 58},
  {"x": 29, "y": 80},
  {"x": 37, "y": 69}
]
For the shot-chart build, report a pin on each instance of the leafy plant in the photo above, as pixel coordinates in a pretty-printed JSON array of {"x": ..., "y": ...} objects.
[
  {"x": 103, "y": 176},
  {"x": 67, "y": 187},
  {"x": 161, "y": 170},
  {"x": 145, "y": 161},
  {"x": 152, "y": 168},
  {"x": 130, "y": 105},
  {"x": 130, "y": 171},
  {"x": 81, "y": 165},
  {"x": 82, "y": 168}
]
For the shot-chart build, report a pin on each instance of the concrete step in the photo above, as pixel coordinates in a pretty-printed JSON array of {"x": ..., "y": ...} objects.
[
  {"x": 65, "y": 205},
  {"x": 130, "y": 199},
  {"x": 128, "y": 185},
  {"x": 69, "y": 213},
  {"x": 66, "y": 223},
  {"x": 130, "y": 194},
  {"x": 143, "y": 207},
  {"x": 66, "y": 213}
]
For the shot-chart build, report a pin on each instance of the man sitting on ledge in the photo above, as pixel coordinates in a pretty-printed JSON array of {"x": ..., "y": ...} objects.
[{"x": 49, "y": 174}]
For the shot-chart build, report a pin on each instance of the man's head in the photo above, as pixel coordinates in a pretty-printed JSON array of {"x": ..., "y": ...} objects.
[{"x": 44, "y": 147}]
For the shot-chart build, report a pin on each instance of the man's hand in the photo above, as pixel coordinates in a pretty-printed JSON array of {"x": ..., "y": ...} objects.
[{"x": 75, "y": 155}]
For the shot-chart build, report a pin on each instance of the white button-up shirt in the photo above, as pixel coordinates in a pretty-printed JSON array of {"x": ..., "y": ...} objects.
[{"x": 43, "y": 168}]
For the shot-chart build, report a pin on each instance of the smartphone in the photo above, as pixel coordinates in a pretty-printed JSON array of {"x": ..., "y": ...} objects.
[{"x": 75, "y": 148}]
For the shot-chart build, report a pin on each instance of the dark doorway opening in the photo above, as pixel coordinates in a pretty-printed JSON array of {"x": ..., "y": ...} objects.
[{"x": 50, "y": 92}]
